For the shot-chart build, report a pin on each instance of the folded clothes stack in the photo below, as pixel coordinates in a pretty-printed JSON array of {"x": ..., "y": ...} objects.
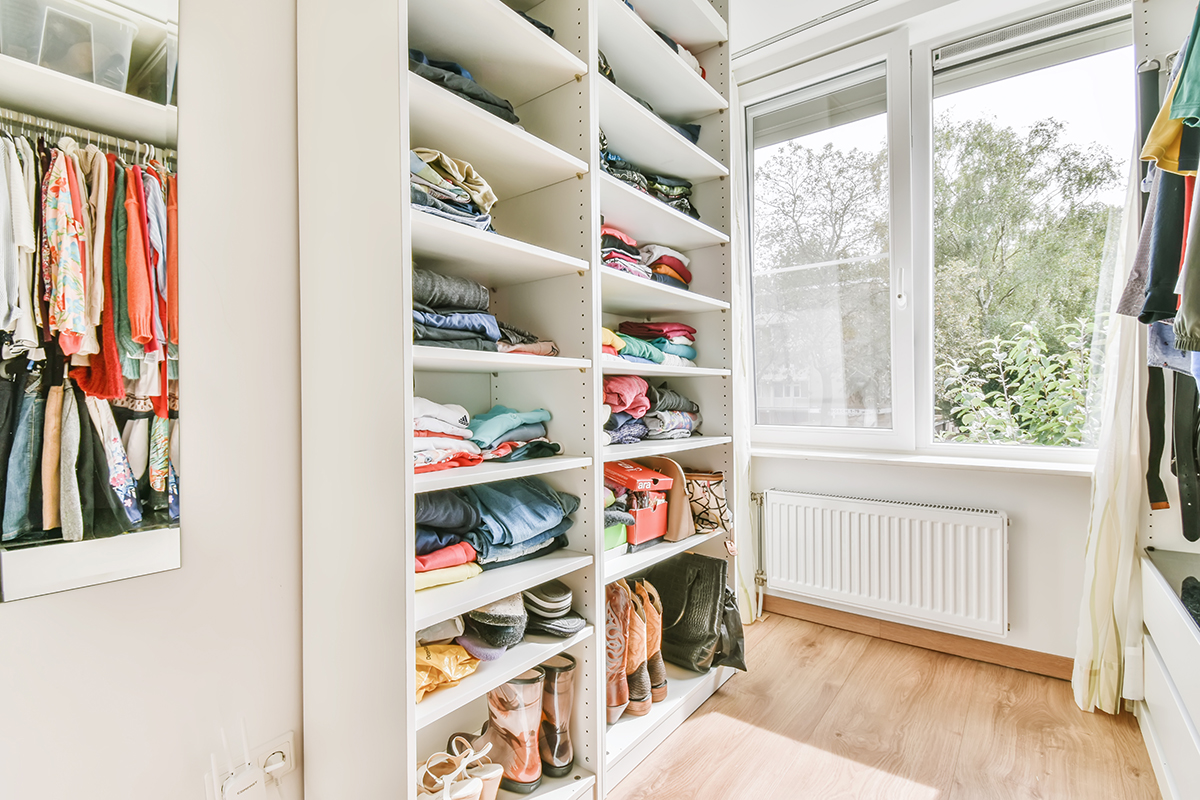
[
  {"x": 453, "y": 78},
  {"x": 640, "y": 411},
  {"x": 445, "y": 436},
  {"x": 675, "y": 192},
  {"x": 656, "y": 262},
  {"x": 461, "y": 532},
  {"x": 666, "y": 343},
  {"x": 452, "y": 312},
  {"x": 449, "y": 188}
]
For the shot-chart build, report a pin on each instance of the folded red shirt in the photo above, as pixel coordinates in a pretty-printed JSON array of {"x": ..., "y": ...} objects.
[
  {"x": 676, "y": 266},
  {"x": 655, "y": 330},
  {"x": 452, "y": 556}
]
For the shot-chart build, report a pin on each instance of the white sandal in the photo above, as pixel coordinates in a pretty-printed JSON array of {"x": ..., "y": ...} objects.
[
  {"x": 446, "y": 777},
  {"x": 479, "y": 765}
]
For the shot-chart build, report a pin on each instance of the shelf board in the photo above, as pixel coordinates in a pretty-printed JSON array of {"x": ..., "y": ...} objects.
[
  {"x": 534, "y": 650},
  {"x": 646, "y": 67},
  {"x": 512, "y": 160},
  {"x": 573, "y": 786},
  {"x": 59, "y": 566},
  {"x": 630, "y": 296},
  {"x": 446, "y": 359},
  {"x": 648, "y": 220},
  {"x": 695, "y": 24},
  {"x": 630, "y": 739},
  {"x": 504, "y": 54},
  {"x": 490, "y": 472},
  {"x": 665, "y": 447},
  {"x": 31, "y": 89},
  {"x": 613, "y": 367},
  {"x": 617, "y": 567},
  {"x": 641, "y": 138},
  {"x": 452, "y": 248},
  {"x": 439, "y": 603}
]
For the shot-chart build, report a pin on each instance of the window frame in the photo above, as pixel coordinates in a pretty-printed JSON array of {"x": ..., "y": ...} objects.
[{"x": 772, "y": 93}]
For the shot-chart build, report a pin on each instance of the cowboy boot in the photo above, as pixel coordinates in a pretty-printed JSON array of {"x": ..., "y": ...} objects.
[
  {"x": 514, "y": 715},
  {"x": 652, "y": 605},
  {"x": 558, "y": 695},
  {"x": 616, "y": 624},
  {"x": 637, "y": 676}
]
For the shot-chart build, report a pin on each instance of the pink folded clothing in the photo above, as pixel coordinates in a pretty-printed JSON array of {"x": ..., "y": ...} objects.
[
  {"x": 627, "y": 393},
  {"x": 608, "y": 230},
  {"x": 452, "y": 556},
  {"x": 657, "y": 330}
]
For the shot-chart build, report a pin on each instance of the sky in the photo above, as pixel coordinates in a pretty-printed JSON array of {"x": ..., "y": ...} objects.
[{"x": 1094, "y": 96}]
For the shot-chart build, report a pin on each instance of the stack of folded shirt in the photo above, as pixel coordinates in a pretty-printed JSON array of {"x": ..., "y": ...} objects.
[
  {"x": 520, "y": 520},
  {"x": 504, "y": 434},
  {"x": 619, "y": 251},
  {"x": 669, "y": 343},
  {"x": 455, "y": 79},
  {"x": 441, "y": 437},
  {"x": 675, "y": 192},
  {"x": 667, "y": 266},
  {"x": 549, "y": 609},
  {"x": 671, "y": 414},
  {"x": 494, "y": 628},
  {"x": 452, "y": 312},
  {"x": 626, "y": 398},
  {"x": 443, "y": 555},
  {"x": 450, "y": 189}
]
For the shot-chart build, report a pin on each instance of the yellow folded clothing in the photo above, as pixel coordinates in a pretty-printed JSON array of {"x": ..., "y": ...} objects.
[
  {"x": 441, "y": 577},
  {"x": 611, "y": 339}
]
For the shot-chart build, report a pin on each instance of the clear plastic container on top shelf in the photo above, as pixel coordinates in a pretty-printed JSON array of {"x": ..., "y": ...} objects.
[
  {"x": 155, "y": 80},
  {"x": 69, "y": 37}
]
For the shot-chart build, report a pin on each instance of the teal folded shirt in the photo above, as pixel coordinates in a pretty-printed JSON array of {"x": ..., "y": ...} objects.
[
  {"x": 641, "y": 349},
  {"x": 681, "y": 350},
  {"x": 500, "y": 420}
]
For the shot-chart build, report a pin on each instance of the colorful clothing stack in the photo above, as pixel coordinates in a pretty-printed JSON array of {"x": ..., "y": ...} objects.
[
  {"x": 89, "y": 304},
  {"x": 666, "y": 343},
  {"x": 452, "y": 312},
  {"x": 674, "y": 192},
  {"x": 450, "y": 189},
  {"x": 445, "y": 436},
  {"x": 636, "y": 411},
  {"x": 656, "y": 262}
]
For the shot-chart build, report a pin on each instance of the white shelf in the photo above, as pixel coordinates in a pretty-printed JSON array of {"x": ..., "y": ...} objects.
[
  {"x": 504, "y": 54},
  {"x": 616, "y": 452},
  {"x": 59, "y": 566},
  {"x": 452, "y": 248},
  {"x": 513, "y": 161},
  {"x": 447, "y": 359},
  {"x": 490, "y": 472},
  {"x": 695, "y": 24},
  {"x": 574, "y": 786},
  {"x": 645, "y": 66},
  {"x": 439, "y": 603},
  {"x": 630, "y": 739},
  {"x": 617, "y": 567},
  {"x": 534, "y": 650},
  {"x": 31, "y": 89},
  {"x": 649, "y": 220},
  {"x": 629, "y": 296},
  {"x": 613, "y": 367},
  {"x": 641, "y": 138}
]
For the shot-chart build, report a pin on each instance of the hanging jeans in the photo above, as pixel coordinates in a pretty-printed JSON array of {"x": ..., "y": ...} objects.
[{"x": 23, "y": 460}]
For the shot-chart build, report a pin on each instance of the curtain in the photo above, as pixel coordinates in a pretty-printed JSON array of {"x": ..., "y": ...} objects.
[
  {"x": 743, "y": 359},
  {"x": 1108, "y": 655}
]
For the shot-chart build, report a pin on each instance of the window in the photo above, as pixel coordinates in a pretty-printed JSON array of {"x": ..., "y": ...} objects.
[{"x": 1020, "y": 157}]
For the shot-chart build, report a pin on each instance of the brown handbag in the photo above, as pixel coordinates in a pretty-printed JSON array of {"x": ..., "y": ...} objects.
[{"x": 679, "y": 510}]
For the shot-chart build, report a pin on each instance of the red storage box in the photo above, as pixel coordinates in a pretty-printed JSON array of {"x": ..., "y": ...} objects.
[
  {"x": 635, "y": 477},
  {"x": 651, "y": 524}
]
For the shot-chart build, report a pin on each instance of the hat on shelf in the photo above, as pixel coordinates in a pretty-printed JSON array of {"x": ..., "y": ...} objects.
[{"x": 478, "y": 648}]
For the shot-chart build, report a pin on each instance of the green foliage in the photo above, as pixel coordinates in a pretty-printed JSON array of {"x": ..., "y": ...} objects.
[{"x": 1017, "y": 390}]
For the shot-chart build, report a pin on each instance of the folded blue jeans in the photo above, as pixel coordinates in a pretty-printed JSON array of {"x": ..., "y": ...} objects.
[{"x": 516, "y": 511}]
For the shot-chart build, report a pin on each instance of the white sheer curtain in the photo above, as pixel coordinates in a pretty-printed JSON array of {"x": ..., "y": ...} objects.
[
  {"x": 743, "y": 361},
  {"x": 1108, "y": 654}
]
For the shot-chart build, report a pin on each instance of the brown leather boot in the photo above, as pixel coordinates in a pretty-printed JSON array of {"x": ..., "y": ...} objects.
[
  {"x": 616, "y": 628},
  {"x": 636, "y": 673},
  {"x": 652, "y": 605}
]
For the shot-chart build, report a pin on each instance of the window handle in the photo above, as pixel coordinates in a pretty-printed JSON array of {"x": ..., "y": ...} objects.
[{"x": 901, "y": 295}]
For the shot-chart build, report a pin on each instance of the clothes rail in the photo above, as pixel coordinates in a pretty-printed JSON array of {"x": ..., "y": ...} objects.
[{"x": 139, "y": 151}]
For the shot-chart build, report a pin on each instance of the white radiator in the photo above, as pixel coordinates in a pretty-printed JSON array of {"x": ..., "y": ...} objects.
[{"x": 921, "y": 563}]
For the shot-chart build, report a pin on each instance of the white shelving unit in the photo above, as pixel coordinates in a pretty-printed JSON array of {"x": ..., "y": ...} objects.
[{"x": 362, "y": 609}]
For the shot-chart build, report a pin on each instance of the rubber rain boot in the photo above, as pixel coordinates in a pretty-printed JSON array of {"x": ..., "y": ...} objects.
[
  {"x": 558, "y": 697},
  {"x": 514, "y": 716}
]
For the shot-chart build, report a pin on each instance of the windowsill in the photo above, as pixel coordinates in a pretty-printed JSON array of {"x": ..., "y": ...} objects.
[{"x": 935, "y": 461}]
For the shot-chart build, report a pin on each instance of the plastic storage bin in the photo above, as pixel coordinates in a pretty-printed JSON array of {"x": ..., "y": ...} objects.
[
  {"x": 68, "y": 37},
  {"x": 651, "y": 526},
  {"x": 155, "y": 80}
]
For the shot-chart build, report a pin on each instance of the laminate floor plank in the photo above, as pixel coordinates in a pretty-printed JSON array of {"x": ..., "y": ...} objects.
[{"x": 831, "y": 715}]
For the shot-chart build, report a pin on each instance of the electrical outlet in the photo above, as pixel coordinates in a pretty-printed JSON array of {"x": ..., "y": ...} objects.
[{"x": 268, "y": 756}]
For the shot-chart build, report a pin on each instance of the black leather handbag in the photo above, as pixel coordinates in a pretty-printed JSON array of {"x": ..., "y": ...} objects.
[{"x": 701, "y": 625}]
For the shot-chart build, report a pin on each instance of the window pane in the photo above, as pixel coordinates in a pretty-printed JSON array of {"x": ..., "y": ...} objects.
[
  {"x": 821, "y": 274},
  {"x": 1029, "y": 188}
]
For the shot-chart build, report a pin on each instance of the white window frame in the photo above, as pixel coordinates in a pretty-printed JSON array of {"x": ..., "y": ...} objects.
[{"x": 771, "y": 93}]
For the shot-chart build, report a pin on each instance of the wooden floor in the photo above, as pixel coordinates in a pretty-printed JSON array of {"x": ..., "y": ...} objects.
[{"x": 828, "y": 714}]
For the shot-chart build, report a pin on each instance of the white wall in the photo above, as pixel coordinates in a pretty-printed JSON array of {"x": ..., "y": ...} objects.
[
  {"x": 1048, "y": 517},
  {"x": 116, "y": 692}
]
